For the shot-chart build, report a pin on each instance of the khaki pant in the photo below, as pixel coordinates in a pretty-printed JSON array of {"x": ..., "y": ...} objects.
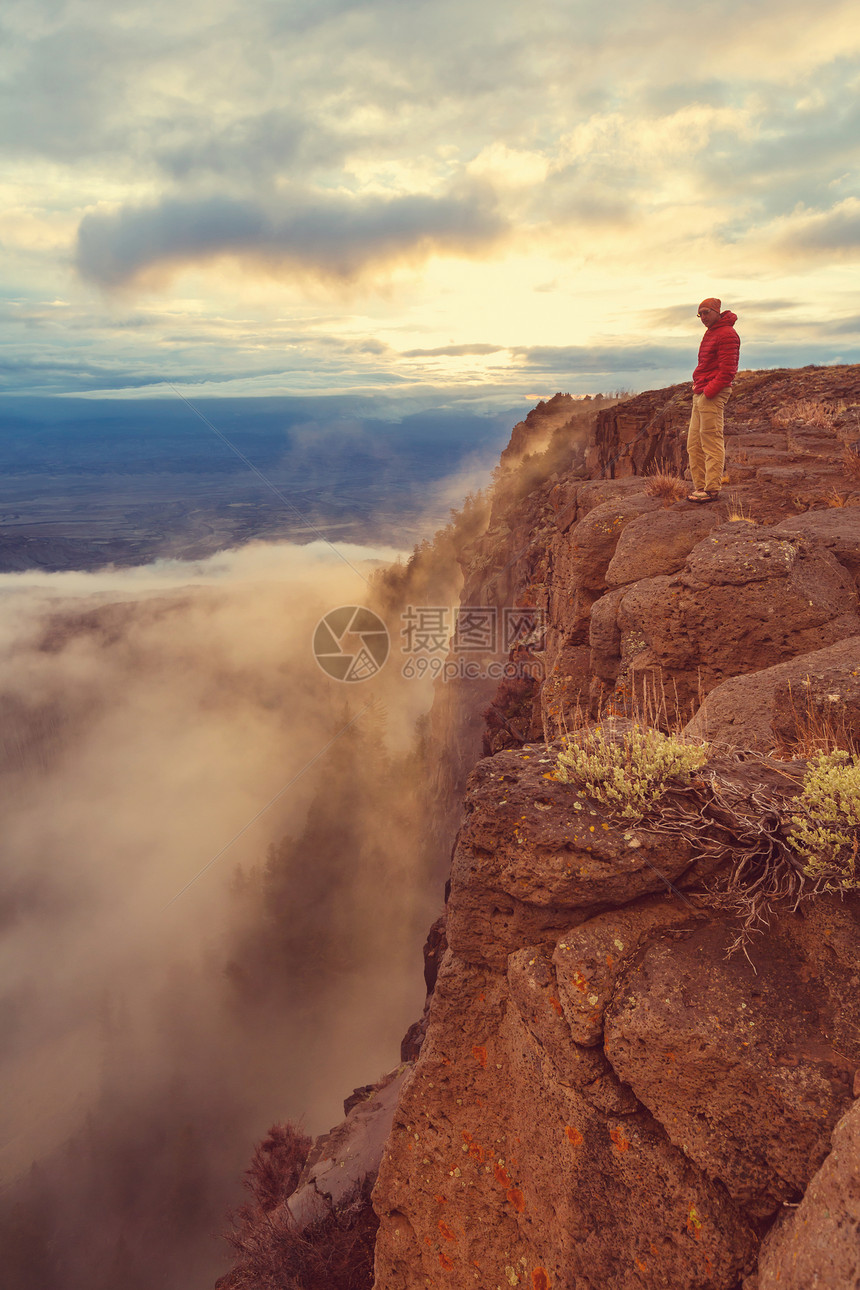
[{"x": 705, "y": 446}]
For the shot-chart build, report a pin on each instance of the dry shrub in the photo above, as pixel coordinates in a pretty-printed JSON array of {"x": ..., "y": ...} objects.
[
  {"x": 276, "y": 1165},
  {"x": 664, "y": 482},
  {"x": 807, "y": 411},
  {"x": 851, "y": 462},
  {"x": 834, "y": 498},
  {"x": 335, "y": 1253},
  {"x": 628, "y": 770}
]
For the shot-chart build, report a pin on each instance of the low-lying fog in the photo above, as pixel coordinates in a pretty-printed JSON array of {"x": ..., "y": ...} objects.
[{"x": 213, "y": 899}]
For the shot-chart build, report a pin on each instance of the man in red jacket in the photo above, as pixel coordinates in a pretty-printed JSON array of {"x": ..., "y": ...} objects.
[{"x": 712, "y": 385}]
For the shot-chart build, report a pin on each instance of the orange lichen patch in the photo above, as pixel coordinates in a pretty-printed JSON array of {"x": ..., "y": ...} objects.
[
  {"x": 441, "y": 1200},
  {"x": 445, "y": 1261},
  {"x": 446, "y": 1231},
  {"x": 475, "y": 1149},
  {"x": 573, "y": 1135},
  {"x": 516, "y": 1198},
  {"x": 480, "y": 1055},
  {"x": 501, "y": 1175},
  {"x": 670, "y": 1057},
  {"x": 482, "y": 997},
  {"x": 643, "y": 1267},
  {"x": 619, "y": 1141},
  {"x": 694, "y": 1223},
  {"x": 555, "y": 1004},
  {"x": 540, "y": 1279},
  {"x": 427, "y": 1240},
  {"x": 580, "y": 982},
  {"x": 609, "y": 961}
]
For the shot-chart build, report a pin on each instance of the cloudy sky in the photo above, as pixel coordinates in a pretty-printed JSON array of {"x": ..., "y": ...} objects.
[{"x": 297, "y": 196}]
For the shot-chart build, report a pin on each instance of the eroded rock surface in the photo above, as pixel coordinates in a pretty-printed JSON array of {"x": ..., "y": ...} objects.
[
  {"x": 603, "y": 1099},
  {"x": 746, "y": 599},
  {"x": 818, "y": 1244},
  {"x": 746, "y": 1061},
  {"x": 534, "y": 855},
  {"x": 780, "y": 704}
]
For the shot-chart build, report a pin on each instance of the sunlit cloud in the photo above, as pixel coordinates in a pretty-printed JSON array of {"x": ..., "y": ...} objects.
[
  {"x": 326, "y": 236},
  {"x": 428, "y": 180}
]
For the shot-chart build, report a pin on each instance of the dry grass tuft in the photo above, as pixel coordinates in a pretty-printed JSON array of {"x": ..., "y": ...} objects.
[
  {"x": 851, "y": 462},
  {"x": 664, "y": 482},
  {"x": 808, "y": 411},
  {"x": 815, "y": 730},
  {"x": 835, "y": 498},
  {"x": 737, "y": 511}
]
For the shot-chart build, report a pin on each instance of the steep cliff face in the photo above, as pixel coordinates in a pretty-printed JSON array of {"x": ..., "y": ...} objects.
[
  {"x": 603, "y": 1098},
  {"x": 599, "y": 1096}
]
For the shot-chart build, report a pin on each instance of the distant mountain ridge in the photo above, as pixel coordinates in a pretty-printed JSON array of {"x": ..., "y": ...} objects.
[{"x": 84, "y": 483}]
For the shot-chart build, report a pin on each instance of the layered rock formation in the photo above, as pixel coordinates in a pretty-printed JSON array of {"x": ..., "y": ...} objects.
[
  {"x": 603, "y": 1098},
  {"x": 599, "y": 1097}
]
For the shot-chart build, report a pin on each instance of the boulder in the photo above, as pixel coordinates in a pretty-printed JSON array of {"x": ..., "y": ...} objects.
[
  {"x": 779, "y": 704},
  {"x": 535, "y": 856},
  {"x": 747, "y": 598},
  {"x": 748, "y": 1062},
  {"x": 603, "y": 1098},
  {"x": 817, "y": 1244},
  {"x": 505, "y": 1169},
  {"x": 837, "y": 528},
  {"x": 594, "y": 538},
  {"x": 581, "y": 555},
  {"x": 659, "y": 542}
]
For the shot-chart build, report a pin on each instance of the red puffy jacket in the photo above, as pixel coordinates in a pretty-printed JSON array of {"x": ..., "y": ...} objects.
[{"x": 718, "y": 356}]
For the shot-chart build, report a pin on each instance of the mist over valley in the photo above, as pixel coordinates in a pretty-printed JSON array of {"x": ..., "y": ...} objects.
[
  {"x": 90, "y": 482},
  {"x": 216, "y": 878}
]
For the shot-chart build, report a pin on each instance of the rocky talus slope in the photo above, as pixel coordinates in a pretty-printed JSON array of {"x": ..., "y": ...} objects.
[{"x": 600, "y": 1096}]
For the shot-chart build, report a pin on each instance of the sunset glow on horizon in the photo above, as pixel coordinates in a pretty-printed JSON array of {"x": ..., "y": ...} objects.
[{"x": 464, "y": 199}]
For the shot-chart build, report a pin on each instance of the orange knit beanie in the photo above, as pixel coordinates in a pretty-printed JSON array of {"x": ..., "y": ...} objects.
[{"x": 711, "y": 303}]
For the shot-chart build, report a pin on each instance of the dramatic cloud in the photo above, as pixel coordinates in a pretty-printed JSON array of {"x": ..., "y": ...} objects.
[
  {"x": 412, "y": 178},
  {"x": 328, "y": 237}
]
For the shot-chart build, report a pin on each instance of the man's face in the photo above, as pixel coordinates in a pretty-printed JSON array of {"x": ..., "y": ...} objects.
[{"x": 708, "y": 316}]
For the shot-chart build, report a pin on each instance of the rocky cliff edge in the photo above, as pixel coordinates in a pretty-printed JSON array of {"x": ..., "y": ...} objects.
[{"x": 600, "y": 1095}]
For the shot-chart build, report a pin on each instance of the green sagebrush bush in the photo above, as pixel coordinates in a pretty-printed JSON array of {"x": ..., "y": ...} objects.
[
  {"x": 825, "y": 830},
  {"x": 628, "y": 771}
]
